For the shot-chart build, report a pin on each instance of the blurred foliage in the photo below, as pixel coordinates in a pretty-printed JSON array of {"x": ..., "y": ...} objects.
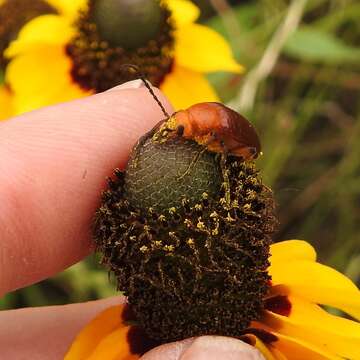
[
  {"x": 84, "y": 281},
  {"x": 308, "y": 116}
]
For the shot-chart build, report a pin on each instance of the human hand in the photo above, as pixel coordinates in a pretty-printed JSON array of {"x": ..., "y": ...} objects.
[{"x": 53, "y": 166}]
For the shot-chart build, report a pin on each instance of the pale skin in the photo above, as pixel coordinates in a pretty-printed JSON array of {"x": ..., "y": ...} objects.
[{"x": 53, "y": 167}]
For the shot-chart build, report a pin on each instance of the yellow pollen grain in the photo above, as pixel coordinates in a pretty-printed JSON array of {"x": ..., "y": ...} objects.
[
  {"x": 250, "y": 194},
  {"x": 169, "y": 248},
  {"x": 171, "y": 123},
  {"x": 247, "y": 207},
  {"x": 200, "y": 225},
  {"x": 144, "y": 249},
  {"x": 188, "y": 222},
  {"x": 229, "y": 218},
  {"x": 254, "y": 181}
]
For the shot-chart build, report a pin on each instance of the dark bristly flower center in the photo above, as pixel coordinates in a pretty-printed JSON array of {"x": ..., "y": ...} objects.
[
  {"x": 141, "y": 20},
  {"x": 13, "y": 15},
  {"x": 139, "y": 342},
  {"x": 190, "y": 253},
  {"x": 117, "y": 32}
]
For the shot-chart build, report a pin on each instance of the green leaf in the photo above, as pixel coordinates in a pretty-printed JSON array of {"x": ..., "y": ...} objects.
[
  {"x": 1, "y": 77},
  {"x": 314, "y": 45}
]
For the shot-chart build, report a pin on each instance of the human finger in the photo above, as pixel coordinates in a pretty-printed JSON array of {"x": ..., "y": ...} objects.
[
  {"x": 53, "y": 166},
  {"x": 45, "y": 333}
]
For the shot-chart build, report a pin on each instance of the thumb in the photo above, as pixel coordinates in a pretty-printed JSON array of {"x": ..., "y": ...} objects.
[{"x": 205, "y": 348}]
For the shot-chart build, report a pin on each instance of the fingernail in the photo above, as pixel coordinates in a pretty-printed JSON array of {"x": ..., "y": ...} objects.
[
  {"x": 219, "y": 347},
  {"x": 133, "y": 84}
]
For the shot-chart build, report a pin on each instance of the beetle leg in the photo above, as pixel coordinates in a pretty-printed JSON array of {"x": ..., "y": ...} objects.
[
  {"x": 180, "y": 130},
  {"x": 252, "y": 151},
  {"x": 246, "y": 153},
  {"x": 211, "y": 138},
  {"x": 193, "y": 162}
]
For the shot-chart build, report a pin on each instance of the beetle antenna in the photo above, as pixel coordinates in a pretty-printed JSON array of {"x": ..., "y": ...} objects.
[{"x": 136, "y": 70}]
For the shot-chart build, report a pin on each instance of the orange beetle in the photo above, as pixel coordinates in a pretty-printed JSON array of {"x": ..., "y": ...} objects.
[
  {"x": 210, "y": 124},
  {"x": 217, "y": 127},
  {"x": 213, "y": 125}
]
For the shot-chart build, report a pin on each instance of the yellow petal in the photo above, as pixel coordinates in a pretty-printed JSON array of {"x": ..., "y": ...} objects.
[
  {"x": 23, "y": 103},
  {"x": 49, "y": 68},
  {"x": 202, "y": 49},
  {"x": 45, "y": 30},
  {"x": 185, "y": 87},
  {"x": 292, "y": 250},
  {"x": 182, "y": 11},
  {"x": 296, "y": 349},
  {"x": 257, "y": 343},
  {"x": 49, "y": 81},
  {"x": 91, "y": 336},
  {"x": 278, "y": 355},
  {"x": 309, "y": 322},
  {"x": 317, "y": 283},
  {"x": 69, "y": 8},
  {"x": 6, "y": 106},
  {"x": 115, "y": 346}
]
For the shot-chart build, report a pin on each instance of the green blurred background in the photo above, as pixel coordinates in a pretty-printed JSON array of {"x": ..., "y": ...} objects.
[{"x": 302, "y": 91}]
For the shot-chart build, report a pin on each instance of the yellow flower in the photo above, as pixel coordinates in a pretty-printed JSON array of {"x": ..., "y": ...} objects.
[
  {"x": 294, "y": 326},
  {"x": 42, "y": 46},
  {"x": 6, "y": 108}
]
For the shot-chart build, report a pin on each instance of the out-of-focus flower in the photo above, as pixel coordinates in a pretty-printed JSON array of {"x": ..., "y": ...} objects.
[
  {"x": 292, "y": 326},
  {"x": 6, "y": 109},
  {"x": 80, "y": 51},
  {"x": 13, "y": 15}
]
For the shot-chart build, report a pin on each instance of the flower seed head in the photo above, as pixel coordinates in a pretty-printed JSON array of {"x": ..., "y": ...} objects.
[
  {"x": 187, "y": 236},
  {"x": 112, "y": 33},
  {"x": 127, "y": 23},
  {"x": 152, "y": 180}
]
